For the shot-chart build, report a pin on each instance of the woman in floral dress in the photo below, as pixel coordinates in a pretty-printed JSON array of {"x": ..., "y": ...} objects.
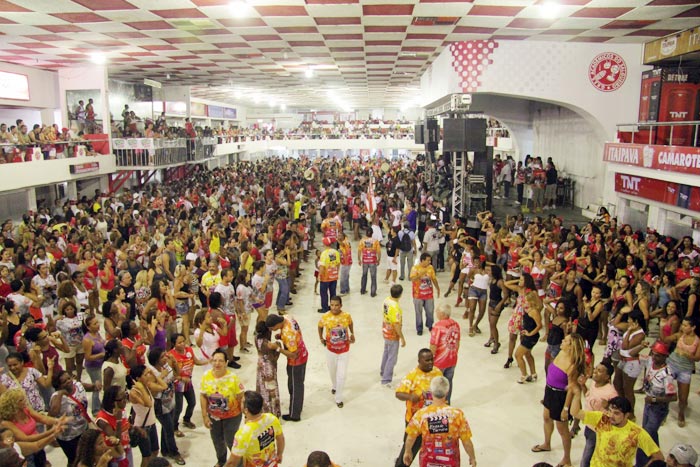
[{"x": 266, "y": 380}]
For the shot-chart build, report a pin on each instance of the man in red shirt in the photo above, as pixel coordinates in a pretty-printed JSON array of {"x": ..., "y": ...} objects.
[
  {"x": 369, "y": 255},
  {"x": 444, "y": 343}
]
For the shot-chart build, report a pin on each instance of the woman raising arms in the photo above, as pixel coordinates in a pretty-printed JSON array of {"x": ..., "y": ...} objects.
[{"x": 563, "y": 372}]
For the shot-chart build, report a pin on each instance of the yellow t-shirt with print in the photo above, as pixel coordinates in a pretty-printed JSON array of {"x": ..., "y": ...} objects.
[
  {"x": 255, "y": 442},
  {"x": 222, "y": 395},
  {"x": 418, "y": 382},
  {"x": 391, "y": 315},
  {"x": 617, "y": 447}
]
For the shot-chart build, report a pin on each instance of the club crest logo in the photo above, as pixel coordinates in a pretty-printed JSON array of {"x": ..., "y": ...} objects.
[{"x": 607, "y": 72}]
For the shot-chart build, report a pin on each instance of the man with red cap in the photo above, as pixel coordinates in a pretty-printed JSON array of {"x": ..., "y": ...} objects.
[
  {"x": 328, "y": 271},
  {"x": 660, "y": 389}
]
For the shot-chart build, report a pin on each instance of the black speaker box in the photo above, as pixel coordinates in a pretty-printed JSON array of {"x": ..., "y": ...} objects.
[
  {"x": 464, "y": 134},
  {"x": 418, "y": 133},
  {"x": 432, "y": 135}
]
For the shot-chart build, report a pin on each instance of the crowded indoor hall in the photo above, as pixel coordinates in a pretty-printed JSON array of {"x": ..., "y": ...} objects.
[{"x": 204, "y": 202}]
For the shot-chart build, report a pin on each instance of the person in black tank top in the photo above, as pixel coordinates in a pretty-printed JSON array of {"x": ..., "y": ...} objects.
[{"x": 498, "y": 294}]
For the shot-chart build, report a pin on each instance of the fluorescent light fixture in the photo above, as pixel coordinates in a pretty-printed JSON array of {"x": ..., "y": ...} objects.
[
  {"x": 272, "y": 102},
  {"x": 283, "y": 107},
  {"x": 257, "y": 98},
  {"x": 550, "y": 10},
  {"x": 309, "y": 73},
  {"x": 98, "y": 58},
  {"x": 239, "y": 9},
  {"x": 237, "y": 94}
]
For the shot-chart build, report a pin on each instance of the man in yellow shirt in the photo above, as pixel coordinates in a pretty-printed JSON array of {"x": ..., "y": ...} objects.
[
  {"x": 415, "y": 391},
  {"x": 617, "y": 438},
  {"x": 392, "y": 322},
  {"x": 259, "y": 442},
  {"x": 441, "y": 428},
  {"x": 339, "y": 334}
]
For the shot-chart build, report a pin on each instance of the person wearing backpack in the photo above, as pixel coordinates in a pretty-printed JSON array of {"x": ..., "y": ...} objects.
[{"x": 407, "y": 248}]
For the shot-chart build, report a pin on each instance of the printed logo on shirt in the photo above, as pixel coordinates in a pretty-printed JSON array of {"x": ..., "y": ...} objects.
[
  {"x": 438, "y": 424},
  {"x": 266, "y": 438}
]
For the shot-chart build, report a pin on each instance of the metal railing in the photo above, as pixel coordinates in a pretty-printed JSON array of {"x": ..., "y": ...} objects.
[
  {"x": 153, "y": 152},
  {"x": 312, "y": 136},
  {"x": 15, "y": 153},
  {"x": 662, "y": 133}
]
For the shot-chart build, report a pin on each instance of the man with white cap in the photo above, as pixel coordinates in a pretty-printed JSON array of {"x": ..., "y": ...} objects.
[{"x": 682, "y": 455}]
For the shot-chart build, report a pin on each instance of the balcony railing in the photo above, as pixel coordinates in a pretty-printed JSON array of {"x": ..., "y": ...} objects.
[
  {"x": 15, "y": 153},
  {"x": 661, "y": 133},
  {"x": 154, "y": 152}
]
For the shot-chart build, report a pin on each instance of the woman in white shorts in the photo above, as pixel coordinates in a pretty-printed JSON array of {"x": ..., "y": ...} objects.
[{"x": 629, "y": 367}]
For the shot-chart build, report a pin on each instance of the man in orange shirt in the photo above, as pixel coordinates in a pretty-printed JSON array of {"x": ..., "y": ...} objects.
[
  {"x": 415, "y": 391},
  {"x": 423, "y": 280},
  {"x": 328, "y": 272},
  {"x": 441, "y": 428},
  {"x": 339, "y": 334},
  {"x": 369, "y": 254}
]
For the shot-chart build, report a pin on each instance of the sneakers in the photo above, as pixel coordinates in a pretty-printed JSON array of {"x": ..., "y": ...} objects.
[{"x": 517, "y": 203}]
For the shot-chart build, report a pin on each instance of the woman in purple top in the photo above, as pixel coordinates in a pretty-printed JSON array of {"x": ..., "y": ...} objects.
[
  {"x": 94, "y": 351},
  {"x": 567, "y": 366}
]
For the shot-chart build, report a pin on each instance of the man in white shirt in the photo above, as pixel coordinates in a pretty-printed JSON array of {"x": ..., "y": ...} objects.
[{"x": 431, "y": 243}]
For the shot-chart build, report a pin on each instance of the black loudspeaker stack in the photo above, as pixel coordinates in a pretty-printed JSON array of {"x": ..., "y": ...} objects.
[
  {"x": 464, "y": 135},
  {"x": 432, "y": 135},
  {"x": 419, "y": 133}
]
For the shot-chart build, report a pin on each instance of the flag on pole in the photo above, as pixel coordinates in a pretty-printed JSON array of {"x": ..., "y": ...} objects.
[{"x": 370, "y": 195}]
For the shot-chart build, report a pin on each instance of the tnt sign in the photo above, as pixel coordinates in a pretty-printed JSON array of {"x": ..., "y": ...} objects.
[
  {"x": 648, "y": 188},
  {"x": 630, "y": 183}
]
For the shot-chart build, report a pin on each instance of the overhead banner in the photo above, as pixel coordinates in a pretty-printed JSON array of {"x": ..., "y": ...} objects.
[
  {"x": 662, "y": 191},
  {"x": 672, "y": 46},
  {"x": 682, "y": 159}
]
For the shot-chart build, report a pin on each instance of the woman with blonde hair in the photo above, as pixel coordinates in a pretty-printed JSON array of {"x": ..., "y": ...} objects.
[
  {"x": 529, "y": 336},
  {"x": 564, "y": 370},
  {"x": 22, "y": 420},
  {"x": 143, "y": 290},
  {"x": 184, "y": 296}
]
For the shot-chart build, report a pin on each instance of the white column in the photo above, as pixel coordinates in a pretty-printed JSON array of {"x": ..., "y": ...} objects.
[{"x": 31, "y": 199}]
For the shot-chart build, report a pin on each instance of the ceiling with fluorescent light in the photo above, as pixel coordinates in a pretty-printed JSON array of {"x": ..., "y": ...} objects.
[{"x": 301, "y": 53}]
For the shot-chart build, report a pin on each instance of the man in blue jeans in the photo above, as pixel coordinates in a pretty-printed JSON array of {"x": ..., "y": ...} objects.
[
  {"x": 369, "y": 254},
  {"x": 660, "y": 389},
  {"x": 423, "y": 280}
]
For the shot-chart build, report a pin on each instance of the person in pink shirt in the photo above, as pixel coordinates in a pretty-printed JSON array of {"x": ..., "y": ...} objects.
[
  {"x": 597, "y": 396},
  {"x": 444, "y": 343}
]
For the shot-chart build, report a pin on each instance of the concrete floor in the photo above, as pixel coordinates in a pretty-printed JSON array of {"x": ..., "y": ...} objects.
[{"x": 505, "y": 417}]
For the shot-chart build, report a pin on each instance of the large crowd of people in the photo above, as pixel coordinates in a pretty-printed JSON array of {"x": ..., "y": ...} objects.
[{"x": 111, "y": 302}]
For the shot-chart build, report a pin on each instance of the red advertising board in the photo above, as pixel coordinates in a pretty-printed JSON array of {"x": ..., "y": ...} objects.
[
  {"x": 682, "y": 159},
  {"x": 694, "y": 202},
  {"x": 648, "y": 188}
]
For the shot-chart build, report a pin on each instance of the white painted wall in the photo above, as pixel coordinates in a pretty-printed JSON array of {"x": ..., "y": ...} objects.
[
  {"x": 30, "y": 174},
  {"x": 30, "y": 116}
]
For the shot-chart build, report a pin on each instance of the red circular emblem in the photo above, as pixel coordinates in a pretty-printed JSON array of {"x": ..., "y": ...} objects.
[{"x": 607, "y": 71}]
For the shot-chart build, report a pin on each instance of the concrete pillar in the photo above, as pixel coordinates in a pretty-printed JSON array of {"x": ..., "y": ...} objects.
[
  {"x": 71, "y": 189},
  {"x": 31, "y": 199}
]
